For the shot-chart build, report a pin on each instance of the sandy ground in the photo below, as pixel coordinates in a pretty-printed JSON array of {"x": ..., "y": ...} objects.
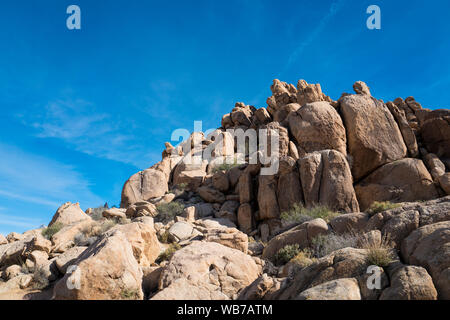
[{"x": 26, "y": 294}]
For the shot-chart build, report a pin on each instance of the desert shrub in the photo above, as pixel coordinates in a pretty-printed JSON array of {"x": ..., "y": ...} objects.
[
  {"x": 300, "y": 214},
  {"x": 129, "y": 294},
  {"x": 226, "y": 166},
  {"x": 98, "y": 228},
  {"x": 97, "y": 213},
  {"x": 285, "y": 254},
  {"x": 324, "y": 244},
  {"x": 181, "y": 186},
  {"x": 381, "y": 257},
  {"x": 164, "y": 238},
  {"x": 304, "y": 258},
  {"x": 40, "y": 280},
  {"x": 168, "y": 253},
  {"x": 49, "y": 232},
  {"x": 377, "y": 207},
  {"x": 89, "y": 234},
  {"x": 379, "y": 254},
  {"x": 168, "y": 211}
]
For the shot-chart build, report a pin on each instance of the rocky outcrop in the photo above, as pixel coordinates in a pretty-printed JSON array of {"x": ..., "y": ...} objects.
[
  {"x": 206, "y": 270},
  {"x": 410, "y": 283},
  {"x": 222, "y": 217},
  {"x": 69, "y": 213},
  {"x": 317, "y": 126},
  {"x": 435, "y": 131},
  {"x": 373, "y": 136},
  {"x": 106, "y": 270},
  {"x": 340, "y": 289},
  {"x": 429, "y": 247},
  {"x": 326, "y": 179},
  {"x": 301, "y": 235},
  {"x": 143, "y": 186},
  {"x": 400, "y": 181}
]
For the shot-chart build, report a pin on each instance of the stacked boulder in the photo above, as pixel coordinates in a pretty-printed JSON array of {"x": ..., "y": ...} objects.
[{"x": 342, "y": 154}]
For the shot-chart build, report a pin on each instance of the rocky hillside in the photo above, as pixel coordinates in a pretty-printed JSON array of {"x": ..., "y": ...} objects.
[{"x": 359, "y": 208}]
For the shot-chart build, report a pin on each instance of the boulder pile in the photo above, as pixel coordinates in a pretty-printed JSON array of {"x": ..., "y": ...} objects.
[{"x": 360, "y": 195}]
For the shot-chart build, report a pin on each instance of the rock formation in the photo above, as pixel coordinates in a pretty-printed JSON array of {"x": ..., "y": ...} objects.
[{"x": 358, "y": 183}]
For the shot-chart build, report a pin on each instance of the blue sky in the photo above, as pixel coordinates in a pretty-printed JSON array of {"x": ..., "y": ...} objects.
[{"x": 83, "y": 110}]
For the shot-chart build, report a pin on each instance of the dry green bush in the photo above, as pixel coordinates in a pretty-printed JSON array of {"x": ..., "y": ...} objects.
[
  {"x": 49, "y": 232},
  {"x": 168, "y": 253},
  {"x": 325, "y": 244},
  {"x": 379, "y": 254},
  {"x": 304, "y": 258},
  {"x": 299, "y": 214},
  {"x": 168, "y": 211},
  {"x": 285, "y": 254},
  {"x": 377, "y": 207}
]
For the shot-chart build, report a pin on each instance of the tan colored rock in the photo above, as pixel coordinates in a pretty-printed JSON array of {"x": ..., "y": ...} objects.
[
  {"x": 343, "y": 263},
  {"x": 245, "y": 218},
  {"x": 373, "y": 135},
  {"x": 267, "y": 198},
  {"x": 206, "y": 270},
  {"x": 229, "y": 237},
  {"x": 141, "y": 209},
  {"x": 400, "y": 181},
  {"x": 401, "y": 225},
  {"x": 326, "y": 180},
  {"x": 180, "y": 231},
  {"x": 150, "y": 278},
  {"x": 340, "y": 289},
  {"x": 307, "y": 93},
  {"x": 3, "y": 240},
  {"x": 68, "y": 258},
  {"x": 12, "y": 272},
  {"x": 114, "y": 213},
  {"x": 36, "y": 259},
  {"x": 300, "y": 235},
  {"x": 220, "y": 181},
  {"x": 435, "y": 131},
  {"x": 211, "y": 195},
  {"x": 444, "y": 182},
  {"x": 14, "y": 252},
  {"x": 143, "y": 186},
  {"x": 69, "y": 213},
  {"x": 407, "y": 132},
  {"x": 434, "y": 165},
  {"x": 259, "y": 288},
  {"x": 228, "y": 210},
  {"x": 245, "y": 188},
  {"x": 284, "y": 111},
  {"x": 39, "y": 243},
  {"x": 227, "y": 122},
  {"x": 361, "y": 87},
  {"x": 262, "y": 116},
  {"x": 275, "y": 130},
  {"x": 351, "y": 222},
  {"x": 242, "y": 114},
  {"x": 293, "y": 151},
  {"x": 429, "y": 247},
  {"x": 289, "y": 189},
  {"x": 317, "y": 126},
  {"x": 106, "y": 271},
  {"x": 64, "y": 239},
  {"x": 14, "y": 236},
  {"x": 143, "y": 240},
  {"x": 410, "y": 283}
]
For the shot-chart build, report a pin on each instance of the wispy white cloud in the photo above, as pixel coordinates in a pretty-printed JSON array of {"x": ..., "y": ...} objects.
[
  {"x": 19, "y": 222},
  {"x": 82, "y": 127},
  {"x": 35, "y": 179}
]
